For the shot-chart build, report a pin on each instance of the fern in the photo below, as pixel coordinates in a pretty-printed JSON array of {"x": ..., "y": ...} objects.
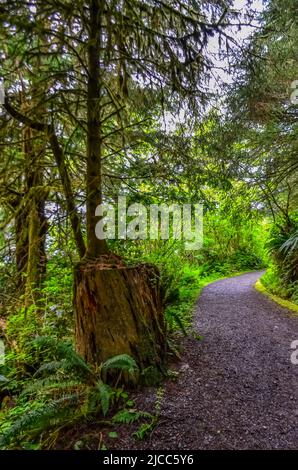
[
  {"x": 38, "y": 385},
  {"x": 49, "y": 367},
  {"x": 104, "y": 393},
  {"x": 144, "y": 430},
  {"x": 291, "y": 245},
  {"x": 47, "y": 343},
  {"x": 130, "y": 416},
  {"x": 44, "y": 417},
  {"x": 63, "y": 390},
  {"x": 69, "y": 359},
  {"x": 75, "y": 362},
  {"x": 122, "y": 362},
  {"x": 50, "y": 384},
  {"x": 126, "y": 416},
  {"x": 178, "y": 321}
]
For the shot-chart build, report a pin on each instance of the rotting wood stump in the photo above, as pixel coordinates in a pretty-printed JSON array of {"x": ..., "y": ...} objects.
[{"x": 118, "y": 310}]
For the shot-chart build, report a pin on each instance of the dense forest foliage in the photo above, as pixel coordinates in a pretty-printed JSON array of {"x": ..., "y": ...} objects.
[{"x": 161, "y": 102}]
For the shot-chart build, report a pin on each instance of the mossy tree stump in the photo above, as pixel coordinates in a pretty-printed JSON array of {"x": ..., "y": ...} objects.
[{"x": 118, "y": 310}]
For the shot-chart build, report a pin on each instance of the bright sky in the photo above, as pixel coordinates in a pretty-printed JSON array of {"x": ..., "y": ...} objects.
[
  {"x": 220, "y": 75},
  {"x": 240, "y": 36}
]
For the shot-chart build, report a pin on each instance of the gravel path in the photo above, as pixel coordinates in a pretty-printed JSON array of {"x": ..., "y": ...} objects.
[{"x": 237, "y": 388}]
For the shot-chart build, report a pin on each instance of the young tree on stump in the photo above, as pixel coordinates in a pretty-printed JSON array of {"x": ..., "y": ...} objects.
[
  {"x": 104, "y": 50},
  {"x": 118, "y": 308}
]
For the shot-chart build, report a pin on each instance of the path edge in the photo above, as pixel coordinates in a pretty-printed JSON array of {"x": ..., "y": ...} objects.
[{"x": 259, "y": 286}]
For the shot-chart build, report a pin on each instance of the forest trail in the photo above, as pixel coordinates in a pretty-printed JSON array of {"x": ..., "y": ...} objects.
[{"x": 237, "y": 388}]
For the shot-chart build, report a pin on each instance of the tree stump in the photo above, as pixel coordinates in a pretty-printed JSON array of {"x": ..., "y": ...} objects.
[{"x": 118, "y": 310}]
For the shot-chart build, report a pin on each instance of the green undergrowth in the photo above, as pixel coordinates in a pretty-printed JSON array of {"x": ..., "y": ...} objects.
[
  {"x": 276, "y": 286},
  {"x": 261, "y": 286},
  {"x": 62, "y": 391},
  {"x": 281, "y": 277},
  {"x": 46, "y": 389},
  {"x": 179, "y": 313}
]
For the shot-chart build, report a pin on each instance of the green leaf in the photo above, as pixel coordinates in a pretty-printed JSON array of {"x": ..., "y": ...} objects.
[
  {"x": 105, "y": 394},
  {"x": 122, "y": 362},
  {"x": 130, "y": 416},
  {"x": 130, "y": 403}
]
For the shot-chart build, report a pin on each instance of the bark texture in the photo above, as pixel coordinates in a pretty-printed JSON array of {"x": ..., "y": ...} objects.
[
  {"x": 30, "y": 220},
  {"x": 118, "y": 310},
  {"x": 95, "y": 247}
]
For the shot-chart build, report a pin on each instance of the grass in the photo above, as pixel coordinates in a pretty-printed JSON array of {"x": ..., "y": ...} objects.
[{"x": 259, "y": 286}]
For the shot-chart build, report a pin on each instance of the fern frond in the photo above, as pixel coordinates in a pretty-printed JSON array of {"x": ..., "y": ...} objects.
[
  {"x": 130, "y": 416},
  {"x": 48, "y": 385},
  {"x": 104, "y": 393},
  {"x": 290, "y": 245},
  {"x": 44, "y": 417},
  {"x": 74, "y": 361},
  {"x": 47, "y": 343},
  {"x": 64, "y": 356},
  {"x": 50, "y": 367},
  {"x": 121, "y": 362},
  {"x": 38, "y": 385}
]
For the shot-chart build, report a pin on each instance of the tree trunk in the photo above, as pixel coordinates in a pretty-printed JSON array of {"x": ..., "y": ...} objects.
[
  {"x": 118, "y": 311},
  {"x": 117, "y": 308},
  {"x": 35, "y": 225},
  {"x": 22, "y": 243},
  {"x": 68, "y": 192},
  {"x": 95, "y": 247},
  {"x": 36, "y": 265},
  {"x": 30, "y": 222}
]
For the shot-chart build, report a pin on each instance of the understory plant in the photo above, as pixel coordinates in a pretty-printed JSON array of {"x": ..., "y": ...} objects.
[
  {"x": 282, "y": 276},
  {"x": 63, "y": 390}
]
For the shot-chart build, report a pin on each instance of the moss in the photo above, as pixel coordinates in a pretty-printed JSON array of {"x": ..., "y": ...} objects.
[{"x": 283, "y": 302}]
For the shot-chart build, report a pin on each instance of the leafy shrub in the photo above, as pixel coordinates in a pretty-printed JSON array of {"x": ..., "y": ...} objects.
[{"x": 282, "y": 277}]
